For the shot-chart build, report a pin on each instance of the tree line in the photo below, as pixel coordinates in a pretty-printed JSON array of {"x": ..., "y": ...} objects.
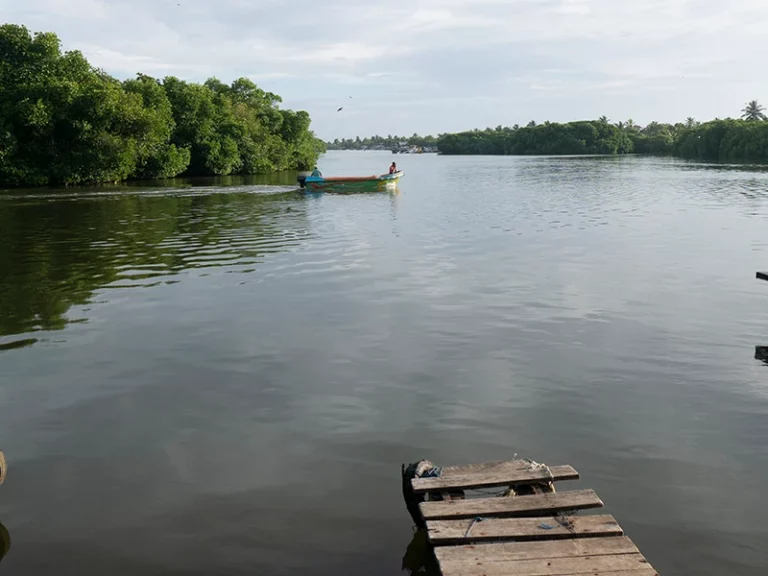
[
  {"x": 382, "y": 142},
  {"x": 742, "y": 139},
  {"x": 63, "y": 121}
]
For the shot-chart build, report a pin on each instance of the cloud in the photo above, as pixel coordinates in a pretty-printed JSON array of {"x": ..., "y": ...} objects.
[
  {"x": 435, "y": 65},
  {"x": 117, "y": 62}
]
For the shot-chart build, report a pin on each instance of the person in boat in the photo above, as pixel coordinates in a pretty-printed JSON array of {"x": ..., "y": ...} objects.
[
  {"x": 316, "y": 173},
  {"x": 393, "y": 168}
]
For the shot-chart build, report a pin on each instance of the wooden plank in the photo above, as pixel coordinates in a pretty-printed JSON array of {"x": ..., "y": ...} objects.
[
  {"x": 762, "y": 276},
  {"x": 544, "y": 504},
  {"x": 442, "y": 532},
  {"x": 485, "y": 467},
  {"x": 547, "y": 567},
  {"x": 493, "y": 479},
  {"x": 649, "y": 571},
  {"x": 504, "y": 570},
  {"x": 536, "y": 550}
]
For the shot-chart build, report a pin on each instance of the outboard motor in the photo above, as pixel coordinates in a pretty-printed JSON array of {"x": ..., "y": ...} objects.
[{"x": 302, "y": 180}]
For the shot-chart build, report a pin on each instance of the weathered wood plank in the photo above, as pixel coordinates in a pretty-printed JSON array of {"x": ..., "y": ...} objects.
[
  {"x": 485, "y": 467},
  {"x": 492, "y": 479},
  {"x": 506, "y": 570},
  {"x": 649, "y": 571},
  {"x": 547, "y": 567},
  {"x": 547, "y": 549},
  {"x": 545, "y": 504},
  {"x": 442, "y": 532}
]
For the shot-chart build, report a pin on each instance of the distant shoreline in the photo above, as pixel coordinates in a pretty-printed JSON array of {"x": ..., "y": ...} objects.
[{"x": 729, "y": 140}]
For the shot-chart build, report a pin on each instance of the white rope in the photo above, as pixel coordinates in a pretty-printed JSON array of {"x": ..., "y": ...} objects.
[{"x": 538, "y": 466}]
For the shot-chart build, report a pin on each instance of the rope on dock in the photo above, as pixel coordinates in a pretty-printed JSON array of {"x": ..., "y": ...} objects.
[
  {"x": 472, "y": 525},
  {"x": 539, "y": 466},
  {"x": 433, "y": 472}
]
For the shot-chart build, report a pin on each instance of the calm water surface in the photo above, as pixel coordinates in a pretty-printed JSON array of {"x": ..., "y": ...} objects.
[{"x": 225, "y": 378}]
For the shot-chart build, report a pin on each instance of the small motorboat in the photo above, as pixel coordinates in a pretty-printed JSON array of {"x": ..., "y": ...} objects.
[{"x": 351, "y": 183}]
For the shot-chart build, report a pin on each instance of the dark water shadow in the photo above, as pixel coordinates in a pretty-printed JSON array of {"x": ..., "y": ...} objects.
[
  {"x": 419, "y": 557},
  {"x": 16, "y": 344},
  {"x": 719, "y": 166},
  {"x": 5, "y": 541}
]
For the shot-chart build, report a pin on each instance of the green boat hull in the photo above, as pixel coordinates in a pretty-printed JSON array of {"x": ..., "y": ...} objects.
[{"x": 345, "y": 184}]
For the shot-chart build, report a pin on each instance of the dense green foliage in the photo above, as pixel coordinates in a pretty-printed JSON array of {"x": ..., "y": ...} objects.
[
  {"x": 725, "y": 140},
  {"x": 63, "y": 121},
  {"x": 382, "y": 142},
  {"x": 548, "y": 138}
]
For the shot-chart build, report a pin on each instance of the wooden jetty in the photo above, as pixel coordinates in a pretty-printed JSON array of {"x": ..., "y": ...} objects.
[{"x": 527, "y": 529}]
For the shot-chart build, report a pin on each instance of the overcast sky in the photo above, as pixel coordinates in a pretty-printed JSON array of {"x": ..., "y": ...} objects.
[{"x": 433, "y": 66}]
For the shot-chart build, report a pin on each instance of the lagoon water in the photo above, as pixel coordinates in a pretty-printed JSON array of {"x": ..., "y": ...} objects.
[{"x": 223, "y": 377}]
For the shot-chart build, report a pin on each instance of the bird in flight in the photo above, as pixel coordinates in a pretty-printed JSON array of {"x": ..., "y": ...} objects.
[{"x": 340, "y": 109}]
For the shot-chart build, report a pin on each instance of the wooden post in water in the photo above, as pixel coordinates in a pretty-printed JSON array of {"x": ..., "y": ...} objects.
[{"x": 761, "y": 352}]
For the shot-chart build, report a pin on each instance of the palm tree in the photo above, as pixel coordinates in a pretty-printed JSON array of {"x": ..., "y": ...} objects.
[
  {"x": 631, "y": 126},
  {"x": 652, "y": 129},
  {"x": 690, "y": 122},
  {"x": 620, "y": 125},
  {"x": 532, "y": 124},
  {"x": 604, "y": 119},
  {"x": 753, "y": 111}
]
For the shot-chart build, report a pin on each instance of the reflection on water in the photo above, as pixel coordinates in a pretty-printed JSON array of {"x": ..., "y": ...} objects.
[
  {"x": 5, "y": 541},
  {"x": 224, "y": 377},
  {"x": 12, "y": 345},
  {"x": 419, "y": 558},
  {"x": 58, "y": 251}
]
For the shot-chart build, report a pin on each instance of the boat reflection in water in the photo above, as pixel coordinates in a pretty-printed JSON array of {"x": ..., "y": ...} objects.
[
  {"x": 5, "y": 541},
  {"x": 418, "y": 557}
]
